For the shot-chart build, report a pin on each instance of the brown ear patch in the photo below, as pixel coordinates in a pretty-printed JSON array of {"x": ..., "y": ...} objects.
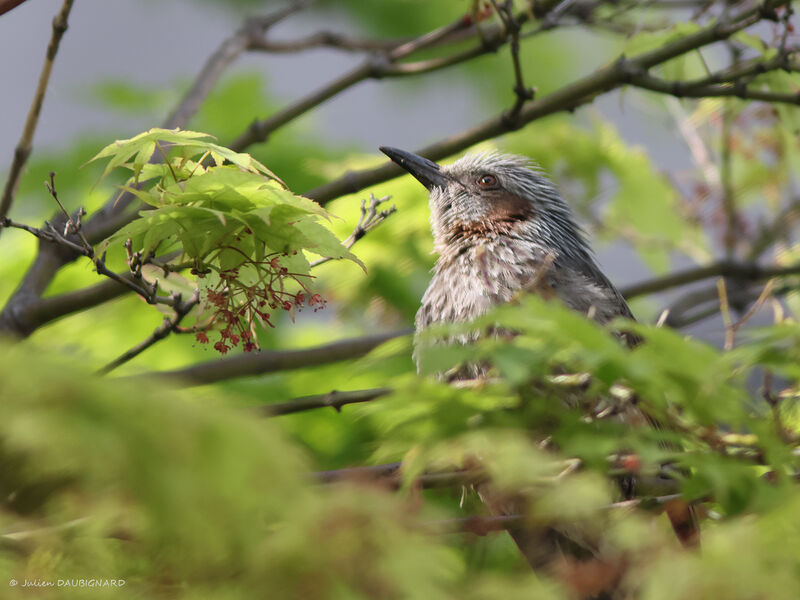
[
  {"x": 504, "y": 212},
  {"x": 506, "y": 207}
]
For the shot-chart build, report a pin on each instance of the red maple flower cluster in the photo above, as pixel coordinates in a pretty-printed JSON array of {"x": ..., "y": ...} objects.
[{"x": 238, "y": 306}]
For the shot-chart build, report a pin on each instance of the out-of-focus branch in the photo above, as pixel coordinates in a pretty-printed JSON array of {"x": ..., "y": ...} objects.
[
  {"x": 484, "y": 524},
  {"x": 51, "y": 308},
  {"x": 723, "y": 268},
  {"x": 389, "y": 474},
  {"x": 260, "y": 363},
  {"x": 248, "y": 35},
  {"x": 698, "y": 305},
  {"x": 333, "y": 399},
  {"x": 25, "y": 143},
  {"x": 324, "y": 39},
  {"x": 7, "y": 5},
  {"x": 675, "y": 88},
  {"x": 770, "y": 233}
]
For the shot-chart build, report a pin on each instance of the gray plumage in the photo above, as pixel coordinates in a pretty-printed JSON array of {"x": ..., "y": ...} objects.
[{"x": 500, "y": 227}]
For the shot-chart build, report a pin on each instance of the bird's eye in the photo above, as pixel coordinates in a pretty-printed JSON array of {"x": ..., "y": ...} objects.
[{"x": 487, "y": 181}]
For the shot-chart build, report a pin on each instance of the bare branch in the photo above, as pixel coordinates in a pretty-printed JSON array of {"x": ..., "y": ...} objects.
[
  {"x": 333, "y": 399},
  {"x": 7, "y": 5},
  {"x": 25, "y": 143},
  {"x": 723, "y": 268},
  {"x": 222, "y": 57},
  {"x": 675, "y": 88},
  {"x": 169, "y": 325},
  {"x": 324, "y": 39},
  {"x": 484, "y": 524},
  {"x": 389, "y": 474},
  {"x": 381, "y": 66},
  {"x": 259, "y": 363},
  {"x": 369, "y": 220},
  {"x": 691, "y": 308},
  {"x": 567, "y": 98}
]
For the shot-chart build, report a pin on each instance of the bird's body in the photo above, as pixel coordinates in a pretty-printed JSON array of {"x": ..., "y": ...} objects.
[
  {"x": 500, "y": 229},
  {"x": 482, "y": 272}
]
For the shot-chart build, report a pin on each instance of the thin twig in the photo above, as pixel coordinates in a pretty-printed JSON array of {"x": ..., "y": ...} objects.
[
  {"x": 483, "y": 524},
  {"x": 725, "y": 309},
  {"x": 50, "y": 234},
  {"x": 754, "y": 308},
  {"x": 370, "y": 218},
  {"x": 25, "y": 143},
  {"x": 512, "y": 29},
  {"x": 169, "y": 325}
]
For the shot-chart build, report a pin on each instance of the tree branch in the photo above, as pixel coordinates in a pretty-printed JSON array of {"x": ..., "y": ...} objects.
[
  {"x": 723, "y": 268},
  {"x": 741, "y": 296},
  {"x": 384, "y": 66},
  {"x": 370, "y": 218},
  {"x": 25, "y": 143},
  {"x": 390, "y": 474},
  {"x": 566, "y": 98},
  {"x": 675, "y": 88},
  {"x": 244, "y": 39},
  {"x": 259, "y": 363},
  {"x": 7, "y": 5},
  {"x": 169, "y": 325},
  {"x": 484, "y": 524},
  {"x": 324, "y": 39},
  {"x": 333, "y": 399},
  {"x": 14, "y": 318}
]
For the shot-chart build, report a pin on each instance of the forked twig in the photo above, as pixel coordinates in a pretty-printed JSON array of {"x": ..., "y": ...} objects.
[{"x": 370, "y": 218}]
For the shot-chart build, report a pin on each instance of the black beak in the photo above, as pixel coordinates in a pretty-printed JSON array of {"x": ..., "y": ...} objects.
[{"x": 427, "y": 172}]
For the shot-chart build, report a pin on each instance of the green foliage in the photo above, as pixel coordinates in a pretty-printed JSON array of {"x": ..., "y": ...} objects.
[
  {"x": 700, "y": 396},
  {"x": 186, "y": 500},
  {"x": 242, "y": 232}
]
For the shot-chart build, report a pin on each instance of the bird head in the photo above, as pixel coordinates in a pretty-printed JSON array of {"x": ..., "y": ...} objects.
[{"x": 492, "y": 195}]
